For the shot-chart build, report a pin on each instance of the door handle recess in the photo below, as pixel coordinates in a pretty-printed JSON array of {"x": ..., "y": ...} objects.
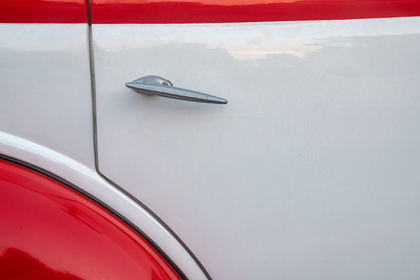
[{"x": 154, "y": 85}]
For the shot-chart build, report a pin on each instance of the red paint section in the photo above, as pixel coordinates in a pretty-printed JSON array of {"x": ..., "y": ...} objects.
[
  {"x": 214, "y": 11},
  {"x": 48, "y": 231},
  {"x": 204, "y": 11},
  {"x": 43, "y": 11}
]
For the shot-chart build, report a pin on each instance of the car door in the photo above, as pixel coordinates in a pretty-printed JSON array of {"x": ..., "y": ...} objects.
[{"x": 310, "y": 171}]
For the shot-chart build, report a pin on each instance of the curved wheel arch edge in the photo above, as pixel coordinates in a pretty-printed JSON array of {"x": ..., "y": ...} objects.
[
  {"x": 73, "y": 175},
  {"x": 98, "y": 202}
]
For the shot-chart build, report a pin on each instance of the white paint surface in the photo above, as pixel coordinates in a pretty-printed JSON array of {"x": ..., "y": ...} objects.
[
  {"x": 312, "y": 169},
  {"x": 46, "y": 119},
  {"x": 45, "y": 87},
  {"x": 92, "y": 183}
]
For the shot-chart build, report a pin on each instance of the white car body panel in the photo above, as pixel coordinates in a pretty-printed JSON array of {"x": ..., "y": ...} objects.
[
  {"x": 45, "y": 87},
  {"x": 309, "y": 172},
  {"x": 95, "y": 185},
  {"x": 46, "y": 120}
]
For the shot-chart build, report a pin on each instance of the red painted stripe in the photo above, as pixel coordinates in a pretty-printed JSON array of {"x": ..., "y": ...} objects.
[
  {"x": 215, "y": 11},
  {"x": 43, "y": 11},
  {"x": 48, "y": 231},
  {"x": 204, "y": 11}
]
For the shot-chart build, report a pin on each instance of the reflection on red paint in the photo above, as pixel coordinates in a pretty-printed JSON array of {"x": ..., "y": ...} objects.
[
  {"x": 43, "y": 11},
  {"x": 16, "y": 264},
  {"x": 200, "y": 11},
  {"x": 48, "y": 229},
  {"x": 214, "y": 11}
]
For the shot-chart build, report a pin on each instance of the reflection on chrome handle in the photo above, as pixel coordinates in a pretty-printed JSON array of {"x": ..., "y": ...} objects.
[{"x": 154, "y": 85}]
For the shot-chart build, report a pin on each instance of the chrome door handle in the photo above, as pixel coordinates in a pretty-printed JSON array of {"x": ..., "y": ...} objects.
[{"x": 154, "y": 85}]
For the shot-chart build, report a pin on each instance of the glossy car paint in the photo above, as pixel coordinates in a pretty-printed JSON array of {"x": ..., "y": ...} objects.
[
  {"x": 51, "y": 232},
  {"x": 92, "y": 183},
  {"x": 72, "y": 169},
  {"x": 310, "y": 170},
  {"x": 46, "y": 119},
  {"x": 45, "y": 87},
  {"x": 216, "y": 11},
  {"x": 43, "y": 11}
]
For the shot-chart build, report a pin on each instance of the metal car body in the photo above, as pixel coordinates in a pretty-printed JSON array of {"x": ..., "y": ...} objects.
[{"x": 310, "y": 171}]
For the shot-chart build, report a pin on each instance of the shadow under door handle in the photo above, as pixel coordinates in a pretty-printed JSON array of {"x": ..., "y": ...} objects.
[{"x": 154, "y": 85}]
